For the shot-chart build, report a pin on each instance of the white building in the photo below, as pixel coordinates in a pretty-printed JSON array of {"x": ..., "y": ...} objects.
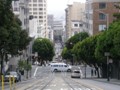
[
  {"x": 21, "y": 9},
  {"x": 38, "y": 9}
]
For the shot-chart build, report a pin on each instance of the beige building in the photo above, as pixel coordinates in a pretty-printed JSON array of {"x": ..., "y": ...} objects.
[
  {"x": 99, "y": 15},
  {"x": 74, "y": 18},
  {"x": 38, "y": 9}
]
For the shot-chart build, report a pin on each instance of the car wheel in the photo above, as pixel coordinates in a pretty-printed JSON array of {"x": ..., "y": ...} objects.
[
  {"x": 69, "y": 70},
  {"x": 55, "y": 70}
]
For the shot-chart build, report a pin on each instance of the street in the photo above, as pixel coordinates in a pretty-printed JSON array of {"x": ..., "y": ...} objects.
[{"x": 47, "y": 80}]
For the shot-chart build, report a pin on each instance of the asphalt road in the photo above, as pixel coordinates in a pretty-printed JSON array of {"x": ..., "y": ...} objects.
[{"x": 44, "y": 79}]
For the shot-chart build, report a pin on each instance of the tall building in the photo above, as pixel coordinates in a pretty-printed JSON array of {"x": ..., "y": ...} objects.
[
  {"x": 21, "y": 9},
  {"x": 99, "y": 15},
  {"x": 74, "y": 18},
  {"x": 38, "y": 9},
  {"x": 50, "y": 20}
]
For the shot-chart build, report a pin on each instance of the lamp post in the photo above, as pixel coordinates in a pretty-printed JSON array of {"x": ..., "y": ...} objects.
[{"x": 107, "y": 54}]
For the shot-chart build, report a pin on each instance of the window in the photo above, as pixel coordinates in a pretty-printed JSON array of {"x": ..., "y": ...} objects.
[
  {"x": 34, "y": 12},
  {"x": 65, "y": 65},
  {"x": 80, "y": 25},
  {"x": 34, "y": 4},
  {"x": 35, "y": 16},
  {"x": 34, "y": 8},
  {"x": 75, "y": 25},
  {"x": 40, "y": 12},
  {"x": 40, "y": 9},
  {"x": 40, "y": 16},
  {"x": 102, "y": 27},
  {"x": 102, "y": 5},
  {"x": 40, "y": 0},
  {"x": 102, "y": 16},
  {"x": 40, "y": 4},
  {"x": 34, "y": 0}
]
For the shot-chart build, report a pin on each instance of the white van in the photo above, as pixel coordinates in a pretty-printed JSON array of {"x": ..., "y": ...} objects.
[{"x": 60, "y": 67}]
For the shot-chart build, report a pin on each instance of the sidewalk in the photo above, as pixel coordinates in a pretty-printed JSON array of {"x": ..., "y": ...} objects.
[{"x": 112, "y": 81}]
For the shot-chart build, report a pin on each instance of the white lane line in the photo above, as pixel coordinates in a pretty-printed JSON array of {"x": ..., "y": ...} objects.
[{"x": 35, "y": 71}]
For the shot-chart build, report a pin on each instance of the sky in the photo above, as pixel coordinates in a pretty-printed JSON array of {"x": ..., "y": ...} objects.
[{"x": 57, "y": 7}]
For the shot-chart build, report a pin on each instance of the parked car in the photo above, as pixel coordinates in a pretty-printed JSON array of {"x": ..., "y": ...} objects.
[
  {"x": 76, "y": 74},
  {"x": 55, "y": 67},
  {"x": 12, "y": 74}
]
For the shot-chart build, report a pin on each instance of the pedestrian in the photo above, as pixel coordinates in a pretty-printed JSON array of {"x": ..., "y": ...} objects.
[
  {"x": 91, "y": 72},
  {"x": 19, "y": 76}
]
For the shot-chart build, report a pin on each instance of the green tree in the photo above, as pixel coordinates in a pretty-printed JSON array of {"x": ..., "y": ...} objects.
[
  {"x": 71, "y": 42},
  {"x": 66, "y": 54},
  {"x": 75, "y": 39},
  {"x": 24, "y": 40},
  {"x": 10, "y": 31},
  {"x": 45, "y": 49}
]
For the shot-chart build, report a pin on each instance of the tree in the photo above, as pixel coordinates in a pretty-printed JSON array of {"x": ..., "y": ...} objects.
[
  {"x": 44, "y": 48},
  {"x": 71, "y": 42},
  {"x": 24, "y": 40},
  {"x": 75, "y": 39},
  {"x": 66, "y": 54},
  {"x": 10, "y": 32}
]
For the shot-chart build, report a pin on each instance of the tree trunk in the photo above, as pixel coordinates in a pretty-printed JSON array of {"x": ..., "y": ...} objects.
[
  {"x": 98, "y": 73},
  {"x": 1, "y": 56},
  {"x": 104, "y": 71}
]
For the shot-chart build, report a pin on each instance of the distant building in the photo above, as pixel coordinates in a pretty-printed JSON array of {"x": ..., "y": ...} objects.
[
  {"x": 74, "y": 18},
  {"x": 38, "y": 9},
  {"x": 58, "y": 30},
  {"x": 21, "y": 9},
  {"x": 99, "y": 15},
  {"x": 50, "y": 20}
]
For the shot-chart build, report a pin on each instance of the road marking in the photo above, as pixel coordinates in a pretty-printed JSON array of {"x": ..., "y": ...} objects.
[{"x": 35, "y": 71}]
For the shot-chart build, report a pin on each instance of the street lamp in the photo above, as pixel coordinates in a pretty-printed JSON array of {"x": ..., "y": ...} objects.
[{"x": 107, "y": 54}]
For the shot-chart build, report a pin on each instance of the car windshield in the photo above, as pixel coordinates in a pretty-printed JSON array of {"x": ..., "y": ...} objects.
[
  {"x": 13, "y": 73},
  {"x": 76, "y": 71}
]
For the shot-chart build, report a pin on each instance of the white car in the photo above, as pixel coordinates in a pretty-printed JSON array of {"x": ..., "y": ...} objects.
[
  {"x": 76, "y": 74},
  {"x": 11, "y": 75},
  {"x": 55, "y": 67}
]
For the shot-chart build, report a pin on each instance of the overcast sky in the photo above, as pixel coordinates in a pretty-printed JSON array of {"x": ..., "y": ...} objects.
[{"x": 57, "y": 7}]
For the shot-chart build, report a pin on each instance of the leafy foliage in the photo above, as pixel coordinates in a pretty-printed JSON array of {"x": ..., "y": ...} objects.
[
  {"x": 44, "y": 48},
  {"x": 24, "y": 65},
  {"x": 76, "y": 38},
  {"x": 11, "y": 34}
]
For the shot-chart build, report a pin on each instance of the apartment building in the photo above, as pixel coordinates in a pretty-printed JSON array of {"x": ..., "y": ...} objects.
[
  {"x": 21, "y": 10},
  {"x": 38, "y": 9},
  {"x": 99, "y": 15},
  {"x": 74, "y": 18}
]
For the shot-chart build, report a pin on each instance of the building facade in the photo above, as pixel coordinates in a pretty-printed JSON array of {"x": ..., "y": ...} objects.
[
  {"x": 99, "y": 15},
  {"x": 74, "y": 17},
  {"x": 38, "y": 9},
  {"x": 21, "y": 10},
  {"x": 58, "y": 30}
]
